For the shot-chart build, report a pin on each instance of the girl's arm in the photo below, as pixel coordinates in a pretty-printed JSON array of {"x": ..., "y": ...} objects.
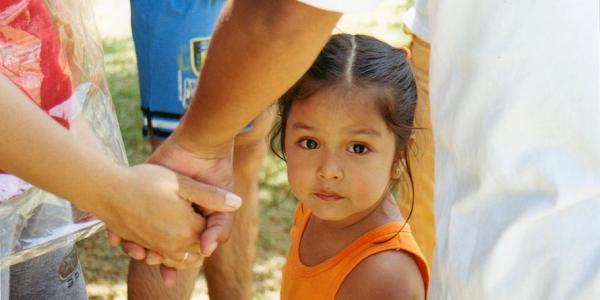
[
  {"x": 392, "y": 275},
  {"x": 146, "y": 203}
]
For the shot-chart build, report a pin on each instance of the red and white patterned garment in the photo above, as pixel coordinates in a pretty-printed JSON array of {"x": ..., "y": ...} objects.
[{"x": 31, "y": 57}]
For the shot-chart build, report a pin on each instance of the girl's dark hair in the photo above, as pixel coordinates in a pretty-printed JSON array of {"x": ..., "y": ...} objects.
[{"x": 348, "y": 62}]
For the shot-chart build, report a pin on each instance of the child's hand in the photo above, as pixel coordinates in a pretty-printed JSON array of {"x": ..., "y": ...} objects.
[{"x": 151, "y": 258}]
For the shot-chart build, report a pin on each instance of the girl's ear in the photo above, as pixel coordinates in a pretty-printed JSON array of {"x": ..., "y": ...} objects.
[
  {"x": 397, "y": 169},
  {"x": 412, "y": 140},
  {"x": 400, "y": 161},
  {"x": 407, "y": 51}
]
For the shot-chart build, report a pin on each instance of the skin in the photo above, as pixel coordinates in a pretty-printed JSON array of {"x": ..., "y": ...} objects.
[
  {"x": 229, "y": 270},
  {"x": 341, "y": 158},
  {"x": 337, "y": 152},
  {"x": 47, "y": 155}
]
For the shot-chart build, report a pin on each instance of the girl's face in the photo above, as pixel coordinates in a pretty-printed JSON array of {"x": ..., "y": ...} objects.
[{"x": 340, "y": 155}]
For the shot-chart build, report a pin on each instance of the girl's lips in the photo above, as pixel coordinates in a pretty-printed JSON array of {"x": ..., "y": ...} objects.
[{"x": 328, "y": 196}]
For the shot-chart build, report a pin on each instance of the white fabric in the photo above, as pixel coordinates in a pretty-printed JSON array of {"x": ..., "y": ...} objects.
[
  {"x": 515, "y": 106},
  {"x": 343, "y": 6},
  {"x": 417, "y": 19}
]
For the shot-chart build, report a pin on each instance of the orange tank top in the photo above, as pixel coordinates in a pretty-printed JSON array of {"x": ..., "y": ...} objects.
[{"x": 321, "y": 282}]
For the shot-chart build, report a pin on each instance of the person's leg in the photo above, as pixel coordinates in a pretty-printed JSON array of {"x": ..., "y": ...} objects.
[
  {"x": 54, "y": 276},
  {"x": 229, "y": 269},
  {"x": 144, "y": 282},
  {"x": 7, "y": 236},
  {"x": 422, "y": 160}
]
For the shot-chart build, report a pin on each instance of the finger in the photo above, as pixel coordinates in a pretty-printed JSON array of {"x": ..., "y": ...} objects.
[
  {"x": 198, "y": 263},
  {"x": 171, "y": 263},
  {"x": 192, "y": 261},
  {"x": 134, "y": 250},
  {"x": 207, "y": 196},
  {"x": 169, "y": 275},
  {"x": 218, "y": 230},
  {"x": 153, "y": 258},
  {"x": 113, "y": 239}
]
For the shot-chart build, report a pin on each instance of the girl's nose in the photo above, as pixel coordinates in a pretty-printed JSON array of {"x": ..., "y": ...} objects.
[{"x": 330, "y": 169}]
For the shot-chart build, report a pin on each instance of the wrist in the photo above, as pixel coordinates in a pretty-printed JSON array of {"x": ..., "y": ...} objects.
[
  {"x": 100, "y": 198},
  {"x": 204, "y": 146}
]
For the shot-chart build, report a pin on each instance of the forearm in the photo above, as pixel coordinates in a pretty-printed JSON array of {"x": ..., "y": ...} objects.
[
  {"x": 40, "y": 151},
  {"x": 259, "y": 49}
]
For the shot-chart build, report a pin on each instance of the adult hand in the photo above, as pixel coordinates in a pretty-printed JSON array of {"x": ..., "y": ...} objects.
[
  {"x": 213, "y": 167},
  {"x": 165, "y": 198},
  {"x": 148, "y": 204}
]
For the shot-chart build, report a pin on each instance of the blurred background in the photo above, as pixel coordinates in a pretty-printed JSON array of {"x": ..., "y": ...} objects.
[{"x": 106, "y": 268}]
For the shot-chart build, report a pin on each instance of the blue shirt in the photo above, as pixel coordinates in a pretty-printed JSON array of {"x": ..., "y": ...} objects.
[{"x": 171, "y": 38}]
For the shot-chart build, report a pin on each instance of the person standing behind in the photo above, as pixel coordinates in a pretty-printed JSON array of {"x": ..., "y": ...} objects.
[
  {"x": 514, "y": 105},
  {"x": 171, "y": 40},
  {"x": 422, "y": 160}
]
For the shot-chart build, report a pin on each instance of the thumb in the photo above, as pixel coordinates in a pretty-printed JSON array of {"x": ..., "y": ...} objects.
[
  {"x": 218, "y": 230},
  {"x": 208, "y": 197},
  {"x": 169, "y": 276}
]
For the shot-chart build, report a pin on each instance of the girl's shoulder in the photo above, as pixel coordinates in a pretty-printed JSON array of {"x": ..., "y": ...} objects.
[{"x": 388, "y": 274}]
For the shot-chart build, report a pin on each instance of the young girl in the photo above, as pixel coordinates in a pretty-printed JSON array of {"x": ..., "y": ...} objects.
[{"x": 344, "y": 132}]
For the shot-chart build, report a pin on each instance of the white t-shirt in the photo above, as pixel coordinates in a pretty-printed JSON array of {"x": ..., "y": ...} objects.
[
  {"x": 417, "y": 19},
  {"x": 343, "y": 6},
  {"x": 515, "y": 106}
]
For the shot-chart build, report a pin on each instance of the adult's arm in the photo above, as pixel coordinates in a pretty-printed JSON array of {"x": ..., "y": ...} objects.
[
  {"x": 40, "y": 151},
  {"x": 258, "y": 50}
]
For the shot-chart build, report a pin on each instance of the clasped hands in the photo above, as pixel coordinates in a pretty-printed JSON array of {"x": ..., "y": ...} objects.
[{"x": 175, "y": 220}]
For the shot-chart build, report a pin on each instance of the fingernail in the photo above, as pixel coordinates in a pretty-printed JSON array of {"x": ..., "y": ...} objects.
[
  {"x": 232, "y": 200},
  {"x": 210, "y": 249}
]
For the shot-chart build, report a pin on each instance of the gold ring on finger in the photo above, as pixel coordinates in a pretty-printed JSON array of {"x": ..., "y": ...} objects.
[{"x": 185, "y": 258}]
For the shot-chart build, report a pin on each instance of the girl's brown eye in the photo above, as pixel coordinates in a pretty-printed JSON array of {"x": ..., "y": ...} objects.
[
  {"x": 358, "y": 148},
  {"x": 309, "y": 144}
]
